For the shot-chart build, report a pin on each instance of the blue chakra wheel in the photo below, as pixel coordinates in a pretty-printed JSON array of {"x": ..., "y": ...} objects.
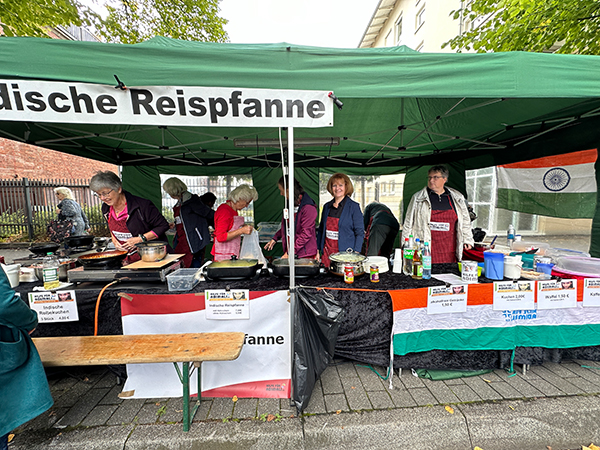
[{"x": 556, "y": 179}]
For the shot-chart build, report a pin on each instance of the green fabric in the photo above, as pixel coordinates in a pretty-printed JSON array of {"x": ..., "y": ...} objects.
[
  {"x": 491, "y": 338},
  {"x": 143, "y": 181},
  {"x": 556, "y": 204},
  {"x": 433, "y": 374},
  {"x": 402, "y": 109}
]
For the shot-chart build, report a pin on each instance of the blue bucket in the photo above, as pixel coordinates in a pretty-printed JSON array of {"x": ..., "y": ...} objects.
[{"x": 494, "y": 265}]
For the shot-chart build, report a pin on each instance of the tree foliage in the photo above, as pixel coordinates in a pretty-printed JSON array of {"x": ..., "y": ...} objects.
[
  {"x": 120, "y": 21},
  {"x": 530, "y": 25},
  {"x": 32, "y": 17},
  {"x": 134, "y": 21}
]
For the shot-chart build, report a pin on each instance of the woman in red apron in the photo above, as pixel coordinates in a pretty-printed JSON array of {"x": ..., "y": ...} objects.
[
  {"x": 439, "y": 214},
  {"x": 341, "y": 226},
  {"x": 229, "y": 226},
  {"x": 131, "y": 219}
]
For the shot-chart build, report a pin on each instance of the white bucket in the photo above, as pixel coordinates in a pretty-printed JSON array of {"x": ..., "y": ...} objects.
[
  {"x": 12, "y": 272},
  {"x": 512, "y": 267}
]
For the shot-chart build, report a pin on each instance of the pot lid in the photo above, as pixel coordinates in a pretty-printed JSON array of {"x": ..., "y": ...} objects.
[{"x": 349, "y": 256}]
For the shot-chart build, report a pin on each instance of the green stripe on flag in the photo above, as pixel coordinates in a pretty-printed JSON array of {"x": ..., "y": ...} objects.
[
  {"x": 569, "y": 206},
  {"x": 493, "y": 338}
]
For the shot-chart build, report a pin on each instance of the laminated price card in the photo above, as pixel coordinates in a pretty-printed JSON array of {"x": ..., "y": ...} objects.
[
  {"x": 224, "y": 304},
  {"x": 510, "y": 296},
  {"x": 59, "y": 306},
  {"x": 447, "y": 299},
  {"x": 591, "y": 292},
  {"x": 554, "y": 294}
]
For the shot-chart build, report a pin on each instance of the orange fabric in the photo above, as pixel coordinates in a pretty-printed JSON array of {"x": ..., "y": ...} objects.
[{"x": 567, "y": 159}]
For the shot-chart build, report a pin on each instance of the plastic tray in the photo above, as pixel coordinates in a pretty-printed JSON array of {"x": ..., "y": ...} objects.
[
  {"x": 579, "y": 265},
  {"x": 184, "y": 279}
]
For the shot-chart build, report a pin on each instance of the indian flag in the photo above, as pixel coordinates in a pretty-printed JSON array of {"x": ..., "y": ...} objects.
[
  {"x": 483, "y": 328},
  {"x": 556, "y": 186}
]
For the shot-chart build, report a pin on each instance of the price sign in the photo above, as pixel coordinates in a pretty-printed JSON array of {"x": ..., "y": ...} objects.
[
  {"x": 447, "y": 299},
  {"x": 59, "y": 306},
  {"x": 591, "y": 292},
  {"x": 509, "y": 296},
  {"x": 555, "y": 294},
  {"x": 224, "y": 304}
]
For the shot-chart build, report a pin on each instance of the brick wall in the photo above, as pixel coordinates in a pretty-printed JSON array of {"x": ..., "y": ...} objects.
[{"x": 37, "y": 163}]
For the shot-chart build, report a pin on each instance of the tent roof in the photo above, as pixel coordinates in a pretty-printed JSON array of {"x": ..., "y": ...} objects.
[{"x": 401, "y": 107}]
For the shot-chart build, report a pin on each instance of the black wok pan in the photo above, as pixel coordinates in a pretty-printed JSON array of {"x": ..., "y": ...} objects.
[
  {"x": 100, "y": 259},
  {"x": 43, "y": 249},
  {"x": 79, "y": 241},
  {"x": 303, "y": 267},
  {"x": 235, "y": 269}
]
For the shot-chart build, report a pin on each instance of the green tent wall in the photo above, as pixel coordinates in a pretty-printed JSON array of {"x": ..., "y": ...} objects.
[{"x": 402, "y": 111}]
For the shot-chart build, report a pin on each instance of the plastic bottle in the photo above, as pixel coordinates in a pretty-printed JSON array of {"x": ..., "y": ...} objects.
[
  {"x": 50, "y": 272},
  {"x": 426, "y": 261},
  {"x": 407, "y": 256},
  {"x": 510, "y": 235},
  {"x": 417, "y": 261}
]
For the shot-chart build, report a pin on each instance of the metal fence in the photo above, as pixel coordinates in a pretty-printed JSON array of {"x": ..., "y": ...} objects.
[{"x": 27, "y": 207}]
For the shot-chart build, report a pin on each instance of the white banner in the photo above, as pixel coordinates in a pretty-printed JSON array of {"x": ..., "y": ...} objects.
[
  {"x": 60, "y": 102},
  {"x": 263, "y": 368}
]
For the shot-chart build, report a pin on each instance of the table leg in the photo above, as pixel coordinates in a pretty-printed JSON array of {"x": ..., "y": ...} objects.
[
  {"x": 186, "y": 396},
  {"x": 198, "y": 366}
]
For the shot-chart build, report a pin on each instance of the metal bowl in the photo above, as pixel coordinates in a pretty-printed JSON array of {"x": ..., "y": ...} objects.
[{"x": 152, "y": 251}]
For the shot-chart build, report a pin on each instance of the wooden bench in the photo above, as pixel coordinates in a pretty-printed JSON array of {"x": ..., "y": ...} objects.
[{"x": 189, "y": 349}]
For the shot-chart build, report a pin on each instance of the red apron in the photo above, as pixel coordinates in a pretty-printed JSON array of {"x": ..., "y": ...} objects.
[
  {"x": 332, "y": 227},
  {"x": 443, "y": 239},
  {"x": 118, "y": 228},
  {"x": 224, "y": 250},
  {"x": 183, "y": 246}
]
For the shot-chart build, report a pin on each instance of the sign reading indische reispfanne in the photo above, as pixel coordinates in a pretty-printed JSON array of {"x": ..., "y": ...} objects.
[{"x": 62, "y": 102}]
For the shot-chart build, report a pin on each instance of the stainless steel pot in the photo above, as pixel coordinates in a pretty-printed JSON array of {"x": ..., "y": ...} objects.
[{"x": 338, "y": 261}]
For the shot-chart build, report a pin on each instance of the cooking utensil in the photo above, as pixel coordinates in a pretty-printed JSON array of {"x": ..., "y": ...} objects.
[
  {"x": 338, "y": 261},
  {"x": 43, "y": 249},
  {"x": 303, "y": 267},
  {"x": 102, "y": 259},
  {"x": 79, "y": 241},
  {"x": 234, "y": 269},
  {"x": 152, "y": 251}
]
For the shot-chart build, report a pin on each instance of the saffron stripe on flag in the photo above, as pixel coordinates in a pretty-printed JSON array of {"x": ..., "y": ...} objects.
[{"x": 565, "y": 159}]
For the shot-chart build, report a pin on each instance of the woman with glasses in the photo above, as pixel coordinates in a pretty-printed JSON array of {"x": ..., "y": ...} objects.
[
  {"x": 69, "y": 209},
  {"x": 131, "y": 220},
  {"x": 229, "y": 225},
  {"x": 439, "y": 214}
]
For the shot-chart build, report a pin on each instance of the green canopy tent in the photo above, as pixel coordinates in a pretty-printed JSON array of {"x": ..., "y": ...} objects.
[{"x": 402, "y": 110}]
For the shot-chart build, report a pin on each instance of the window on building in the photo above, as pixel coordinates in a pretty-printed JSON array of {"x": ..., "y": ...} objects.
[
  {"x": 420, "y": 18},
  {"x": 398, "y": 30},
  {"x": 420, "y": 46}
]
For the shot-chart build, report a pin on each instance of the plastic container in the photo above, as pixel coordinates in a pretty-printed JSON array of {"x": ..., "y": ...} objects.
[
  {"x": 544, "y": 267},
  {"x": 494, "y": 265},
  {"x": 555, "y": 253},
  {"x": 512, "y": 267},
  {"x": 469, "y": 271},
  {"x": 398, "y": 261},
  {"x": 12, "y": 272},
  {"x": 184, "y": 279},
  {"x": 524, "y": 246},
  {"x": 580, "y": 265},
  {"x": 50, "y": 272}
]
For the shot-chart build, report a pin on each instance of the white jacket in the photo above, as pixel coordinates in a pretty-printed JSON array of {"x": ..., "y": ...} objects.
[{"x": 418, "y": 216}]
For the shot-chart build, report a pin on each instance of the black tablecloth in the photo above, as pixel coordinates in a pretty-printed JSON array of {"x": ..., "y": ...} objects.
[{"x": 364, "y": 334}]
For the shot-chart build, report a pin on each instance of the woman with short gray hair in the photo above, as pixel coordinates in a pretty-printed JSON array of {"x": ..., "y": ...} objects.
[
  {"x": 69, "y": 209},
  {"x": 132, "y": 220},
  {"x": 229, "y": 225}
]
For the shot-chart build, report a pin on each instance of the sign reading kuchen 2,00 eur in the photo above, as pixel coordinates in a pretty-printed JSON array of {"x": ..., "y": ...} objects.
[{"x": 60, "y": 102}]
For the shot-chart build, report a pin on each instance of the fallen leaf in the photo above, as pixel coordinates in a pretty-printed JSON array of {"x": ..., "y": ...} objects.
[
  {"x": 353, "y": 387},
  {"x": 157, "y": 404},
  {"x": 583, "y": 447},
  {"x": 594, "y": 447},
  {"x": 487, "y": 381},
  {"x": 513, "y": 408},
  {"x": 450, "y": 409},
  {"x": 339, "y": 411},
  {"x": 548, "y": 447},
  {"x": 235, "y": 398},
  {"x": 10, "y": 437},
  {"x": 270, "y": 418},
  {"x": 477, "y": 448},
  {"x": 86, "y": 379}
]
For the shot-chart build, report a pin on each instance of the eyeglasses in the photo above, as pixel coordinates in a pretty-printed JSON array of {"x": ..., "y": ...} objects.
[
  {"x": 435, "y": 177},
  {"x": 103, "y": 194}
]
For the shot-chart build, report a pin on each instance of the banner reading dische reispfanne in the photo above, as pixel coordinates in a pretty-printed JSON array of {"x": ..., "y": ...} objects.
[{"x": 60, "y": 102}]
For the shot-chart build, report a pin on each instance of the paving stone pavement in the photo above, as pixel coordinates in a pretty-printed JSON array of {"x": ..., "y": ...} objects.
[{"x": 87, "y": 404}]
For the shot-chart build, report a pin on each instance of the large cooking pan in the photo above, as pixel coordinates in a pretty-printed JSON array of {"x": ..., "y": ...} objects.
[
  {"x": 303, "y": 267},
  {"x": 100, "y": 259},
  {"x": 79, "y": 241},
  {"x": 43, "y": 249},
  {"x": 234, "y": 269}
]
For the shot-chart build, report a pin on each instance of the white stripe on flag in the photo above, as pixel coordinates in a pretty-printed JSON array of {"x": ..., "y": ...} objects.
[{"x": 577, "y": 178}]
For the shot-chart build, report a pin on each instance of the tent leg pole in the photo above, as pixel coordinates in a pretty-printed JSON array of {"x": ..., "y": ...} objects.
[{"x": 291, "y": 249}]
